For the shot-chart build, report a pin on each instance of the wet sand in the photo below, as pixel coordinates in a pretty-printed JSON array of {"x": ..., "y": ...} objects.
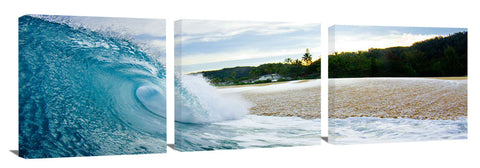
[{"x": 416, "y": 98}]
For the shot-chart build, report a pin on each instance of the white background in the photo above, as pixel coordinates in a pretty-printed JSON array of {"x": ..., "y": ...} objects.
[{"x": 439, "y": 13}]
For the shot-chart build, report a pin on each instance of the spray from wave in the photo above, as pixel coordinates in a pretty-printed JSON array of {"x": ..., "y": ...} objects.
[
  {"x": 86, "y": 93},
  {"x": 199, "y": 102}
]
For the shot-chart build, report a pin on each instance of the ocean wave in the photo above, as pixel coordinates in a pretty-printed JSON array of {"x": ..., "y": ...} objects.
[
  {"x": 199, "y": 102},
  {"x": 85, "y": 93}
]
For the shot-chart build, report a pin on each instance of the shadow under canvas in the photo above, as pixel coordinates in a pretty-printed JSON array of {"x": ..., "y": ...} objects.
[
  {"x": 171, "y": 146},
  {"x": 14, "y": 152},
  {"x": 325, "y": 138}
]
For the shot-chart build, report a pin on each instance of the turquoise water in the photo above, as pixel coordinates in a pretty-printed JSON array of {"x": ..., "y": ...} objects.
[{"x": 85, "y": 93}]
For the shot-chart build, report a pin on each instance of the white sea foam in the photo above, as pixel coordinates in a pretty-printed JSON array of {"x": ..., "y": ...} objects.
[
  {"x": 374, "y": 130},
  {"x": 199, "y": 102},
  {"x": 258, "y": 131}
]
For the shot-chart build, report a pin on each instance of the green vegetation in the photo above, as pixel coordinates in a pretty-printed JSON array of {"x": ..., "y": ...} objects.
[
  {"x": 440, "y": 56},
  {"x": 288, "y": 70}
]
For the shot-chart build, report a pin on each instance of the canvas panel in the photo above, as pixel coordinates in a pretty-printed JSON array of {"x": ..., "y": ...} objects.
[
  {"x": 245, "y": 84},
  {"x": 394, "y": 84},
  {"x": 91, "y": 86}
]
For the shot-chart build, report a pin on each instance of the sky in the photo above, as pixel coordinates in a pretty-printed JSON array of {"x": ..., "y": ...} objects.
[
  {"x": 344, "y": 38},
  {"x": 148, "y": 33},
  {"x": 208, "y": 45}
]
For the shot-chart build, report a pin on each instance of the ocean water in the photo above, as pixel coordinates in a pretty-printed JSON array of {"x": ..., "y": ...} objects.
[
  {"x": 251, "y": 131},
  {"x": 87, "y": 93},
  {"x": 355, "y": 130},
  {"x": 208, "y": 118}
]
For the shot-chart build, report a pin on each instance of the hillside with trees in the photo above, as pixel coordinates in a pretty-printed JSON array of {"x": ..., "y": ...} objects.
[
  {"x": 290, "y": 69},
  {"x": 436, "y": 57}
]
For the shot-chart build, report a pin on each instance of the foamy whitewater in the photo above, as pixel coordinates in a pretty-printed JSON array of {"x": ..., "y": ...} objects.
[
  {"x": 355, "y": 130},
  {"x": 87, "y": 93},
  {"x": 208, "y": 118},
  {"x": 199, "y": 102}
]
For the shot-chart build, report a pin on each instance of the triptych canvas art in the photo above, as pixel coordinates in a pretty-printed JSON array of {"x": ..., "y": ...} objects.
[{"x": 91, "y": 86}]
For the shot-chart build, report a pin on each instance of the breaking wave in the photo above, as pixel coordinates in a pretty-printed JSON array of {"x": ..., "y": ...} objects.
[{"x": 85, "y": 93}]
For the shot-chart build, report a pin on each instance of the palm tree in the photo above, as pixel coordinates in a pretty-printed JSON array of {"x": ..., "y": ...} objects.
[
  {"x": 307, "y": 57},
  {"x": 288, "y": 60},
  {"x": 297, "y": 62}
]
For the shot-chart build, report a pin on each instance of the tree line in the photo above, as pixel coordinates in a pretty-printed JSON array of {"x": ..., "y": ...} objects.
[
  {"x": 304, "y": 68},
  {"x": 439, "y": 56}
]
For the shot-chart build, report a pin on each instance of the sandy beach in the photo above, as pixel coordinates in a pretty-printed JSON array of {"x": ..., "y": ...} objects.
[
  {"x": 303, "y": 103},
  {"x": 415, "y": 98},
  {"x": 294, "y": 98}
]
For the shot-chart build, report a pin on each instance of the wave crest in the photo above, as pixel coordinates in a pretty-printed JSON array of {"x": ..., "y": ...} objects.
[{"x": 199, "y": 102}]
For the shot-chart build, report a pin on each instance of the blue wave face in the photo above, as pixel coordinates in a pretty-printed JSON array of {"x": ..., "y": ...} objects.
[{"x": 83, "y": 93}]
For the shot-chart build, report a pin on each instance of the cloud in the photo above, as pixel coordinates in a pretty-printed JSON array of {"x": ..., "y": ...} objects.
[
  {"x": 202, "y": 58},
  {"x": 122, "y": 26},
  {"x": 352, "y": 43},
  {"x": 192, "y": 31},
  {"x": 355, "y": 38},
  {"x": 211, "y": 44}
]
